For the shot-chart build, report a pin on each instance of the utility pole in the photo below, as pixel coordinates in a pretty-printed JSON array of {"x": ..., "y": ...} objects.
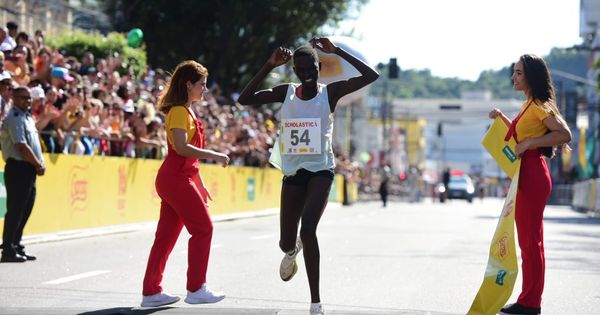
[{"x": 386, "y": 108}]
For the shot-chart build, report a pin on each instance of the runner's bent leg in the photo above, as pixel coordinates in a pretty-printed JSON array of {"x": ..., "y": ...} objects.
[{"x": 293, "y": 198}]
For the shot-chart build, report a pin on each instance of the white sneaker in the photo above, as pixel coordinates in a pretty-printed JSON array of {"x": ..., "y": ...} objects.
[
  {"x": 158, "y": 299},
  {"x": 204, "y": 296},
  {"x": 288, "y": 267},
  {"x": 316, "y": 309}
]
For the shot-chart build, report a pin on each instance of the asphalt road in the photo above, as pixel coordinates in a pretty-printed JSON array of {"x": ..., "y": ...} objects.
[{"x": 408, "y": 258}]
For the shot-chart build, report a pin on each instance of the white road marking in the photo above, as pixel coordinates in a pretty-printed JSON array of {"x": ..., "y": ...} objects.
[
  {"x": 77, "y": 277},
  {"x": 262, "y": 237}
]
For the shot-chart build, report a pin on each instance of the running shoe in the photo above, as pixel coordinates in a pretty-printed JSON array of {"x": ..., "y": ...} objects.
[
  {"x": 288, "y": 267},
  {"x": 204, "y": 296},
  {"x": 316, "y": 309},
  {"x": 158, "y": 299}
]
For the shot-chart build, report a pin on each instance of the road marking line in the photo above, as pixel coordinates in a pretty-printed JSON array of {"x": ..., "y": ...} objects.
[
  {"x": 77, "y": 277},
  {"x": 261, "y": 237}
]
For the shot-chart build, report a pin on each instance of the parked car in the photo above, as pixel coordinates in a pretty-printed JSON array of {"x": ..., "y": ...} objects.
[{"x": 459, "y": 187}]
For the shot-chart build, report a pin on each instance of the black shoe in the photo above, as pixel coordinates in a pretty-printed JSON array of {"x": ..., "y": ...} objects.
[
  {"x": 14, "y": 258},
  {"x": 21, "y": 251},
  {"x": 23, "y": 254},
  {"x": 518, "y": 309}
]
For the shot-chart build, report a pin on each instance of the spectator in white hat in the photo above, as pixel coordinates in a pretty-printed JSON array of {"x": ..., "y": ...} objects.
[
  {"x": 5, "y": 94},
  {"x": 37, "y": 100},
  {"x": 4, "y": 41}
]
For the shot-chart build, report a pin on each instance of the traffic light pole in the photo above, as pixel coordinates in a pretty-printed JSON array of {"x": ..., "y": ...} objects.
[
  {"x": 387, "y": 111},
  {"x": 384, "y": 109}
]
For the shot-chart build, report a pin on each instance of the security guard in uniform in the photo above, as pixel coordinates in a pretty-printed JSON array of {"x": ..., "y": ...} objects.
[{"x": 22, "y": 152}]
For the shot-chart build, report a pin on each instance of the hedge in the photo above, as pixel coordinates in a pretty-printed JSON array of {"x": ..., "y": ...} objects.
[{"x": 77, "y": 43}]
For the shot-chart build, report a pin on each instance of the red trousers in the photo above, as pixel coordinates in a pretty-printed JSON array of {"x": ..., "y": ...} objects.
[
  {"x": 182, "y": 205},
  {"x": 533, "y": 192}
]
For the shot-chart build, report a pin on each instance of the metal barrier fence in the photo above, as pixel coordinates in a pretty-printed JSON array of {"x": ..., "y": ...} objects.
[
  {"x": 561, "y": 195},
  {"x": 586, "y": 197}
]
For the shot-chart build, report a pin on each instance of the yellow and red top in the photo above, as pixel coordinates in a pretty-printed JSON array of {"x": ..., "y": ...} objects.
[
  {"x": 180, "y": 118},
  {"x": 531, "y": 124}
]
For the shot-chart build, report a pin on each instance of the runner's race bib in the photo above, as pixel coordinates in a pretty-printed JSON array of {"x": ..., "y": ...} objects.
[{"x": 301, "y": 136}]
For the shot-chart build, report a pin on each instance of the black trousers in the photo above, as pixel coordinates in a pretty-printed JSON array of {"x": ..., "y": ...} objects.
[{"x": 19, "y": 179}]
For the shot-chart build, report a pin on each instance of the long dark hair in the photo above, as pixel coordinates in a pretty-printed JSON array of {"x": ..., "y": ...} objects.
[
  {"x": 175, "y": 92},
  {"x": 541, "y": 89}
]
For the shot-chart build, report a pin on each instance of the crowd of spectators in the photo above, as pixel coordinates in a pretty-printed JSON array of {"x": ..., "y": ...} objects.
[{"x": 97, "y": 106}]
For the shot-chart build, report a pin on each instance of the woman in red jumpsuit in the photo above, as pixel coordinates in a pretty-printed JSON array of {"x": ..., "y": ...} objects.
[
  {"x": 538, "y": 129},
  {"x": 183, "y": 195}
]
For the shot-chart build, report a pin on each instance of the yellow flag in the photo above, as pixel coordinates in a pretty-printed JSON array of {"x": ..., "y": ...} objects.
[
  {"x": 503, "y": 152},
  {"x": 502, "y": 269},
  {"x": 582, "y": 155}
]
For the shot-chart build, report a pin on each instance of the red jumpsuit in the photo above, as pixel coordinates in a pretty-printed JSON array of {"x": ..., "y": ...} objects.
[
  {"x": 533, "y": 192},
  {"x": 178, "y": 185}
]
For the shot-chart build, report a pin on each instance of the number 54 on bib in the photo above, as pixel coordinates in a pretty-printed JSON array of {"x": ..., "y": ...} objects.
[{"x": 301, "y": 136}]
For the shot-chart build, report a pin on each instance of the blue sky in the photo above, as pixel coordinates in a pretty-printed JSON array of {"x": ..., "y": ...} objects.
[{"x": 461, "y": 38}]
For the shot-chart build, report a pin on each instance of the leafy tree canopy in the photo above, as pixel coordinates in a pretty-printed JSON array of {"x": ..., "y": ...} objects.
[
  {"x": 422, "y": 84},
  {"x": 232, "y": 38},
  {"x": 77, "y": 43}
]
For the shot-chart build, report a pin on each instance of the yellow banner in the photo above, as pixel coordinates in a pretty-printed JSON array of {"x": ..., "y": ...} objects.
[
  {"x": 503, "y": 152},
  {"x": 502, "y": 269},
  {"x": 81, "y": 192},
  {"x": 84, "y": 191}
]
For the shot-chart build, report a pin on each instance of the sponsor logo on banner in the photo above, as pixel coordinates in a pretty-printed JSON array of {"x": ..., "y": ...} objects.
[
  {"x": 153, "y": 193},
  {"x": 508, "y": 207},
  {"x": 330, "y": 66},
  {"x": 79, "y": 183},
  {"x": 251, "y": 187},
  {"x": 509, "y": 153},
  {"x": 122, "y": 189},
  {"x": 2, "y": 195},
  {"x": 500, "y": 277},
  {"x": 503, "y": 246}
]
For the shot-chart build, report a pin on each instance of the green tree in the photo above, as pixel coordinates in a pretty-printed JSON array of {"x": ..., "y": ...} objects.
[
  {"x": 77, "y": 43},
  {"x": 232, "y": 38},
  {"x": 422, "y": 84}
]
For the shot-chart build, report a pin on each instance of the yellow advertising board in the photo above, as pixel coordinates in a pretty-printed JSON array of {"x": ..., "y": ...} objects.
[
  {"x": 80, "y": 192},
  {"x": 91, "y": 191},
  {"x": 502, "y": 151}
]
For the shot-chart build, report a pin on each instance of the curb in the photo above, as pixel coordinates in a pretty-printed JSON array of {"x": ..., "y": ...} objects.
[{"x": 132, "y": 227}]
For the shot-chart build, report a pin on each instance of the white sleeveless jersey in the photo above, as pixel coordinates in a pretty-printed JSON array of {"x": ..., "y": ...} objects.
[{"x": 305, "y": 133}]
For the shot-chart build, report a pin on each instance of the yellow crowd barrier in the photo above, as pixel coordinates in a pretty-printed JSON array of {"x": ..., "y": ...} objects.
[{"x": 92, "y": 191}]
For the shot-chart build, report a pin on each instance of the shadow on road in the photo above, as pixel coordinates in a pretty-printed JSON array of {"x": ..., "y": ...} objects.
[
  {"x": 127, "y": 311},
  {"x": 573, "y": 220},
  {"x": 559, "y": 220}
]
